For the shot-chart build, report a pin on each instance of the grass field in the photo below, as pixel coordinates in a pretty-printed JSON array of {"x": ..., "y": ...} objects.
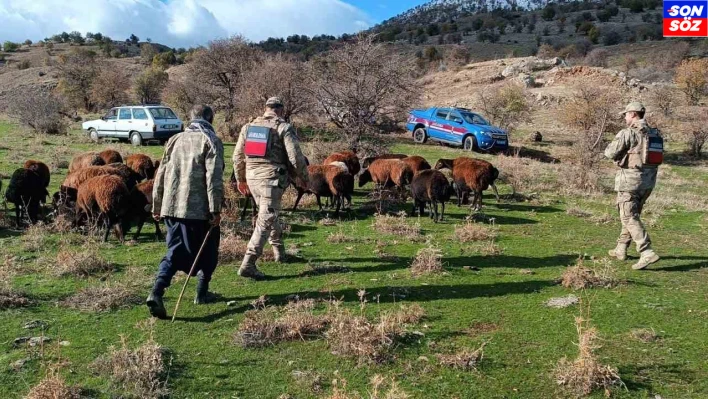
[{"x": 493, "y": 293}]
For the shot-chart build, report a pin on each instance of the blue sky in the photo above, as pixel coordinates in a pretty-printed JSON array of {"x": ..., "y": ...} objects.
[{"x": 185, "y": 23}]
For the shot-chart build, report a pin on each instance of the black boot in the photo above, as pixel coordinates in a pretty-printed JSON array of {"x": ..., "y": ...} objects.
[
  {"x": 155, "y": 305},
  {"x": 203, "y": 295}
]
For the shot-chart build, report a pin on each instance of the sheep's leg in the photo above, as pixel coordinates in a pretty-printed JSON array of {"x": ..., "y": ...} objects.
[
  {"x": 107, "y": 224},
  {"x": 458, "y": 193},
  {"x": 242, "y": 217},
  {"x": 442, "y": 215},
  {"x": 158, "y": 233},
  {"x": 478, "y": 199},
  {"x": 349, "y": 199},
  {"x": 119, "y": 232},
  {"x": 18, "y": 213},
  {"x": 319, "y": 202},
  {"x": 338, "y": 205},
  {"x": 496, "y": 192},
  {"x": 300, "y": 193},
  {"x": 435, "y": 208},
  {"x": 141, "y": 222},
  {"x": 415, "y": 207}
]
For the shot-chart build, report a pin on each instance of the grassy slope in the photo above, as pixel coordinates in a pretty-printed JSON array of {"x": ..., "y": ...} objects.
[{"x": 525, "y": 344}]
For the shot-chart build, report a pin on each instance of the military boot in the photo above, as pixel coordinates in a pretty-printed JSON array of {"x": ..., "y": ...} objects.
[
  {"x": 647, "y": 258},
  {"x": 620, "y": 252},
  {"x": 249, "y": 270},
  {"x": 156, "y": 306},
  {"x": 279, "y": 254}
]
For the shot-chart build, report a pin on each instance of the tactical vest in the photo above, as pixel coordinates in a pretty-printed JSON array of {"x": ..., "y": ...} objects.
[{"x": 649, "y": 151}]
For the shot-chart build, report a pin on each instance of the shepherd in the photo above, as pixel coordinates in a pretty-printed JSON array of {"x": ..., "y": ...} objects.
[{"x": 188, "y": 194}]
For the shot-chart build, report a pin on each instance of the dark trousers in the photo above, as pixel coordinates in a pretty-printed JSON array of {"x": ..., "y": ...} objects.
[{"x": 184, "y": 238}]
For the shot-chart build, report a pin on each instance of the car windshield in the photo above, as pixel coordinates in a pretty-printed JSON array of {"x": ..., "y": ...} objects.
[
  {"x": 162, "y": 113},
  {"x": 474, "y": 118}
]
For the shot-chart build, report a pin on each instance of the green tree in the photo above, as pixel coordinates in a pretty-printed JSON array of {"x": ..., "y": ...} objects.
[
  {"x": 10, "y": 47},
  {"x": 548, "y": 13},
  {"x": 594, "y": 34},
  {"x": 148, "y": 86}
]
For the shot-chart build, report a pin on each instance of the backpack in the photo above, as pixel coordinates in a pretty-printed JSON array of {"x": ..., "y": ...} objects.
[{"x": 649, "y": 151}]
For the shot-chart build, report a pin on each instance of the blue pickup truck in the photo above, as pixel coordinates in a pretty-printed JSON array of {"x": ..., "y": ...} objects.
[{"x": 456, "y": 126}]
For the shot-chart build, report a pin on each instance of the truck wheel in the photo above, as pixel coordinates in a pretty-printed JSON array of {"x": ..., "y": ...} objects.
[
  {"x": 93, "y": 135},
  {"x": 136, "y": 139},
  {"x": 420, "y": 136},
  {"x": 469, "y": 144}
]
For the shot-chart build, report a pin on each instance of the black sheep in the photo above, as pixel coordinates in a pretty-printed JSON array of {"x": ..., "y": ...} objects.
[
  {"x": 430, "y": 187},
  {"x": 26, "y": 190}
]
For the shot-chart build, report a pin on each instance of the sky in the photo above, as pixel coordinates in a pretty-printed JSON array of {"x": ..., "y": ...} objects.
[{"x": 186, "y": 23}]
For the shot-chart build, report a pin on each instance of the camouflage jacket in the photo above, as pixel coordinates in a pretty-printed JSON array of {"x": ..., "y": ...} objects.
[
  {"x": 284, "y": 156},
  {"x": 190, "y": 181},
  {"x": 630, "y": 178}
]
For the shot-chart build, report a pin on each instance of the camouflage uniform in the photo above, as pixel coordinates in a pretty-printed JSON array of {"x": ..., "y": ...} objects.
[
  {"x": 267, "y": 179},
  {"x": 634, "y": 183}
]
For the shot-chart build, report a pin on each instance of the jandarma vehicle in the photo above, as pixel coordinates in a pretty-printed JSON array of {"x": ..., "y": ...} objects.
[
  {"x": 456, "y": 126},
  {"x": 137, "y": 124}
]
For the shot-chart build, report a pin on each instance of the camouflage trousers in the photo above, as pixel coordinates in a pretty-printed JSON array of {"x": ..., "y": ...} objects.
[
  {"x": 268, "y": 196},
  {"x": 630, "y": 204}
]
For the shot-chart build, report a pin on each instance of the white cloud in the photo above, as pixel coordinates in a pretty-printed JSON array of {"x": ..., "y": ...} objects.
[{"x": 179, "y": 22}]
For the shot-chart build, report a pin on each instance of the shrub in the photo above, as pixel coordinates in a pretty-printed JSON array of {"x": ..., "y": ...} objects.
[
  {"x": 10, "y": 47},
  {"x": 697, "y": 135},
  {"x": 471, "y": 231},
  {"x": 504, "y": 106},
  {"x": 53, "y": 386},
  {"x": 24, "y": 64},
  {"x": 594, "y": 34},
  {"x": 77, "y": 71},
  {"x": 81, "y": 263},
  {"x": 546, "y": 51},
  {"x": 164, "y": 60},
  {"x": 548, "y": 12},
  {"x": 269, "y": 326},
  {"x": 397, "y": 225},
  {"x": 597, "y": 58},
  {"x": 147, "y": 53},
  {"x": 427, "y": 261},
  {"x": 692, "y": 78},
  {"x": 28, "y": 42},
  {"x": 42, "y": 112},
  {"x": 610, "y": 38},
  {"x": 601, "y": 275},
  {"x": 110, "y": 87},
  {"x": 149, "y": 85},
  {"x": 664, "y": 99}
]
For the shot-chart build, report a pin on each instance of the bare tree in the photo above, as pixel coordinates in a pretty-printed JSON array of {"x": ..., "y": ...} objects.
[
  {"x": 77, "y": 71},
  {"x": 697, "y": 134},
  {"x": 219, "y": 71},
  {"x": 589, "y": 114},
  {"x": 278, "y": 75},
  {"x": 110, "y": 88},
  {"x": 149, "y": 85},
  {"x": 180, "y": 96},
  {"x": 41, "y": 111},
  {"x": 363, "y": 85},
  {"x": 504, "y": 105}
]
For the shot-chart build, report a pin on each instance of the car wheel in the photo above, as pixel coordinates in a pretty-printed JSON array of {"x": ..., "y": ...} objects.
[
  {"x": 469, "y": 144},
  {"x": 420, "y": 136},
  {"x": 136, "y": 139},
  {"x": 93, "y": 135}
]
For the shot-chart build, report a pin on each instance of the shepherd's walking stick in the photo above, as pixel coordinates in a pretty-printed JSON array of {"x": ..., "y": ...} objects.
[{"x": 190, "y": 272}]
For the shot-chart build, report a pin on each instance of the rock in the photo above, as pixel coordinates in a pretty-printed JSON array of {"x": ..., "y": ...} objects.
[
  {"x": 21, "y": 340},
  {"x": 19, "y": 364},
  {"x": 34, "y": 341},
  {"x": 64, "y": 343},
  {"x": 231, "y": 303},
  {"x": 536, "y": 136},
  {"x": 30, "y": 325},
  {"x": 562, "y": 302},
  {"x": 527, "y": 272},
  {"x": 526, "y": 79},
  {"x": 509, "y": 71}
]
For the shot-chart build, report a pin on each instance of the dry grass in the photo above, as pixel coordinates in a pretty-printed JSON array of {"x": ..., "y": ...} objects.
[
  {"x": 577, "y": 212},
  {"x": 397, "y": 225},
  {"x": 53, "y": 386},
  {"x": 328, "y": 222},
  {"x": 645, "y": 335},
  {"x": 585, "y": 374},
  {"x": 339, "y": 238},
  {"x": 466, "y": 359},
  {"x": 369, "y": 342},
  {"x": 34, "y": 238},
  {"x": 140, "y": 372},
  {"x": 490, "y": 248},
  {"x": 380, "y": 389},
  {"x": 601, "y": 275},
  {"x": 102, "y": 299},
  {"x": 81, "y": 263},
  {"x": 270, "y": 325},
  {"x": 427, "y": 261},
  {"x": 233, "y": 248},
  {"x": 471, "y": 231},
  {"x": 9, "y": 298}
]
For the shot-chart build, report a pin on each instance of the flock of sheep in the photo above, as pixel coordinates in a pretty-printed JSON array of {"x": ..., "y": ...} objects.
[{"x": 106, "y": 190}]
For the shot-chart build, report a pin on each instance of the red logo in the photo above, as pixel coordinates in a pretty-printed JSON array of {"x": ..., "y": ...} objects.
[{"x": 685, "y": 18}]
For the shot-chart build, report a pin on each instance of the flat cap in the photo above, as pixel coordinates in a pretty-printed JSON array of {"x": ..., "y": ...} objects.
[
  {"x": 274, "y": 102},
  {"x": 634, "y": 106}
]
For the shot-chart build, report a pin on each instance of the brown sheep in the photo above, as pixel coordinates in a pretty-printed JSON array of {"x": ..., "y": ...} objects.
[
  {"x": 141, "y": 209},
  {"x": 85, "y": 160},
  {"x": 387, "y": 173},
  {"x": 141, "y": 164},
  {"x": 348, "y": 157},
  {"x": 416, "y": 163},
  {"x": 470, "y": 176},
  {"x": 430, "y": 187},
  {"x": 328, "y": 181},
  {"x": 39, "y": 168},
  {"x": 104, "y": 199},
  {"x": 369, "y": 160},
  {"x": 110, "y": 156},
  {"x": 77, "y": 178}
]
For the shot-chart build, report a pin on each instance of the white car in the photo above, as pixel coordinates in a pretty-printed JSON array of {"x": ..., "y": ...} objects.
[{"x": 138, "y": 124}]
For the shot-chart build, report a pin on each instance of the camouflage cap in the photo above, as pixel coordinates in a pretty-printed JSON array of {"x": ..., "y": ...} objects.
[
  {"x": 274, "y": 102},
  {"x": 634, "y": 106}
]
